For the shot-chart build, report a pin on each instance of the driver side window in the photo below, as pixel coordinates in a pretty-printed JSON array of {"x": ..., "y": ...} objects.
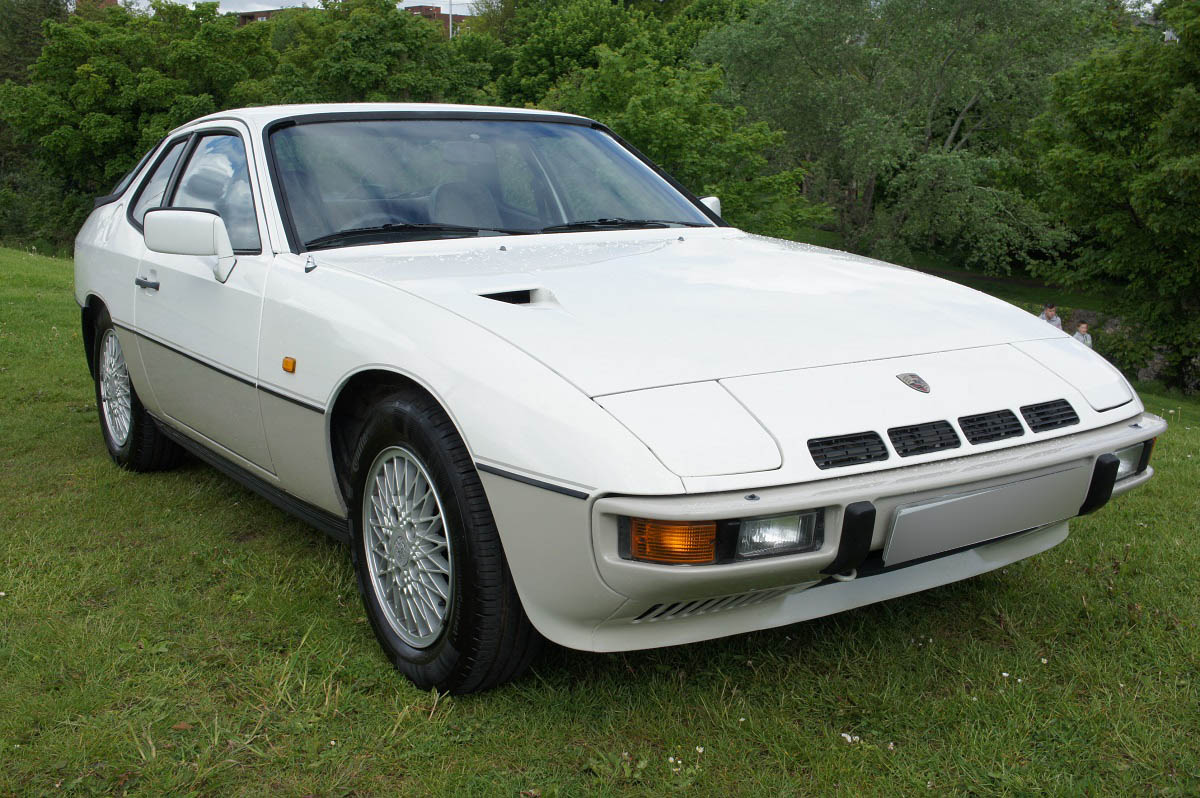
[{"x": 217, "y": 178}]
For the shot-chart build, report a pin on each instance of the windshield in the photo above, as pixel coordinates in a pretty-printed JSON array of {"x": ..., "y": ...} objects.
[{"x": 364, "y": 181}]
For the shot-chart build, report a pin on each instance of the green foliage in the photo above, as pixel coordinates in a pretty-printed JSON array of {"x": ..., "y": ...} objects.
[
  {"x": 670, "y": 113},
  {"x": 108, "y": 85},
  {"x": 555, "y": 39},
  {"x": 953, "y": 200},
  {"x": 364, "y": 51},
  {"x": 21, "y": 35},
  {"x": 1121, "y": 165},
  {"x": 885, "y": 100},
  {"x": 105, "y": 90}
]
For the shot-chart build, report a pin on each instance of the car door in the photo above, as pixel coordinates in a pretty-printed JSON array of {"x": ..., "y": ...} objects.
[{"x": 198, "y": 337}]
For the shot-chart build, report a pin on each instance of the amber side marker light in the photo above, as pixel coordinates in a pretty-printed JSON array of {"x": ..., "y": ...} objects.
[
  {"x": 673, "y": 542},
  {"x": 289, "y": 365}
]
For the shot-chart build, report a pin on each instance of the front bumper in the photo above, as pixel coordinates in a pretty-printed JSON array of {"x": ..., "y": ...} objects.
[{"x": 612, "y": 604}]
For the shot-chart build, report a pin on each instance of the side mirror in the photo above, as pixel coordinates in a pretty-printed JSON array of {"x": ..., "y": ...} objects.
[
  {"x": 712, "y": 203},
  {"x": 179, "y": 231}
]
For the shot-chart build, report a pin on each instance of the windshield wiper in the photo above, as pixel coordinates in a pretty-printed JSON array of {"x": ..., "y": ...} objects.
[
  {"x": 402, "y": 227},
  {"x": 616, "y": 223}
]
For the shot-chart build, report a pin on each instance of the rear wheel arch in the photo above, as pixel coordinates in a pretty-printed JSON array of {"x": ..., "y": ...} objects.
[{"x": 92, "y": 306}]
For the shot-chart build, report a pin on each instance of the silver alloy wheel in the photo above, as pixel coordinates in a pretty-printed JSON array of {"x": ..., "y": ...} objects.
[
  {"x": 115, "y": 391},
  {"x": 407, "y": 546}
]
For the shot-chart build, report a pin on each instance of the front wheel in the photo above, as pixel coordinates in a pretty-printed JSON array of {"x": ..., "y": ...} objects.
[{"x": 430, "y": 567}]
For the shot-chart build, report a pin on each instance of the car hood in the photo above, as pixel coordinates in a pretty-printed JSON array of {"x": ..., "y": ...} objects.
[{"x": 617, "y": 312}]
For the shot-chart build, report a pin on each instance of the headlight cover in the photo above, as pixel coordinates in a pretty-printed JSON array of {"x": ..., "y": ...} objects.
[
  {"x": 1133, "y": 459},
  {"x": 696, "y": 430},
  {"x": 725, "y": 541},
  {"x": 1087, "y": 372},
  {"x": 780, "y": 534}
]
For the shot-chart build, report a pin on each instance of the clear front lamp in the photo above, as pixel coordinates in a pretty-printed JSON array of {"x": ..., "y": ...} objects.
[
  {"x": 1130, "y": 457},
  {"x": 780, "y": 534}
]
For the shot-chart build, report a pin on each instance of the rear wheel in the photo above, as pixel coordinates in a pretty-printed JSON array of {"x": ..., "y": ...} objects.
[
  {"x": 431, "y": 571},
  {"x": 131, "y": 436}
]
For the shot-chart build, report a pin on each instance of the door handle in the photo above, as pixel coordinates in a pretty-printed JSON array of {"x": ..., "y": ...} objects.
[{"x": 142, "y": 282}]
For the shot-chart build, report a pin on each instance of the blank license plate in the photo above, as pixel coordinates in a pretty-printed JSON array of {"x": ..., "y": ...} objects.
[{"x": 951, "y": 522}]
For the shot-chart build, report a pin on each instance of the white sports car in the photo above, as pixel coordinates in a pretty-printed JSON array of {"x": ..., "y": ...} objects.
[{"x": 542, "y": 390}]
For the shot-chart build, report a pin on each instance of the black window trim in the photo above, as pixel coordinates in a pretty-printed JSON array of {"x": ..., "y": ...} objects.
[
  {"x": 189, "y": 150},
  {"x": 137, "y": 195},
  {"x": 297, "y": 247}
]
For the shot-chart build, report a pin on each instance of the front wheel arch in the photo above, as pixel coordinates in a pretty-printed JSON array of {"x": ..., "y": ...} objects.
[
  {"x": 487, "y": 639},
  {"x": 347, "y": 414}
]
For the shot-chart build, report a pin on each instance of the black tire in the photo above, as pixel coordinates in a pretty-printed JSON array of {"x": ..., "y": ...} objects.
[
  {"x": 144, "y": 447},
  {"x": 486, "y": 639}
]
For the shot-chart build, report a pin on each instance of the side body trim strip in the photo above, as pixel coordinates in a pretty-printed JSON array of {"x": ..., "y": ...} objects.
[
  {"x": 231, "y": 375},
  {"x": 537, "y": 483}
]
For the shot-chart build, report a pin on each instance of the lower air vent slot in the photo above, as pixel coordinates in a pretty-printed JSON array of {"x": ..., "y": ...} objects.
[
  {"x": 687, "y": 609},
  {"x": 988, "y": 427},
  {"x": 1049, "y": 415},
  {"x": 923, "y": 438},
  {"x": 846, "y": 450}
]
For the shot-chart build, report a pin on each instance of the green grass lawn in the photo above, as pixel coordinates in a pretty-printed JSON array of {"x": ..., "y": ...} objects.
[{"x": 173, "y": 633}]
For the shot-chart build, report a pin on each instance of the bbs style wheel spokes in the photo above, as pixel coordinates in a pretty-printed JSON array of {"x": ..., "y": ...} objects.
[
  {"x": 407, "y": 546},
  {"x": 115, "y": 391}
]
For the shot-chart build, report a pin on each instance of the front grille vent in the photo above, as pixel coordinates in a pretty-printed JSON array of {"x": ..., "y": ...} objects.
[
  {"x": 923, "y": 438},
  {"x": 845, "y": 450},
  {"x": 988, "y": 427},
  {"x": 686, "y": 609},
  {"x": 1049, "y": 415}
]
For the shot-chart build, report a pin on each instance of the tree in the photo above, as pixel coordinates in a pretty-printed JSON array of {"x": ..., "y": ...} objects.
[
  {"x": 671, "y": 114},
  {"x": 21, "y": 35},
  {"x": 104, "y": 90},
  {"x": 556, "y": 38},
  {"x": 363, "y": 51},
  {"x": 1120, "y": 165},
  {"x": 873, "y": 95},
  {"x": 109, "y": 84},
  {"x": 22, "y": 182}
]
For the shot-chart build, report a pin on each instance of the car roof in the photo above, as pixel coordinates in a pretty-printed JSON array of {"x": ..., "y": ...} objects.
[{"x": 261, "y": 116}]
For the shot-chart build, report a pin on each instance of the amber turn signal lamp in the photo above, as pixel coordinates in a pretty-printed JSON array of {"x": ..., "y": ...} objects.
[
  {"x": 673, "y": 542},
  {"x": 289, "y": 365}
]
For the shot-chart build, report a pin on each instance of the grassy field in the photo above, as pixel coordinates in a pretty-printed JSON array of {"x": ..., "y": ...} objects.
[{"x": 173, "y": 634}]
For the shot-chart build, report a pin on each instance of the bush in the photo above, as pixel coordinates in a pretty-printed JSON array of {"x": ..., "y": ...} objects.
[{"x": 1121, "y": 166}]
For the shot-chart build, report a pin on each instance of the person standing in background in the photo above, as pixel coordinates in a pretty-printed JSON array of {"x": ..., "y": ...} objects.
[
  {"x": 1081, "y": 334},
  {"x": 1050, "y": 315}
]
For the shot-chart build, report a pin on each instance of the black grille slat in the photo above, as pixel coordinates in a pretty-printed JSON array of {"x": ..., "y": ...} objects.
[
  {"x": 845, "y": 450},
  {"x": 680, "y": 609},
  {"x": 923, "y": 438},
  {"x": 988, "y": 427},
  {"x": 1049, "y": 415}
]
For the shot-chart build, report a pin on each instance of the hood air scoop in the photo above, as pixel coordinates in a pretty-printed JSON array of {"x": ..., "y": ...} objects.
[{"x": 524, "y": 296}]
